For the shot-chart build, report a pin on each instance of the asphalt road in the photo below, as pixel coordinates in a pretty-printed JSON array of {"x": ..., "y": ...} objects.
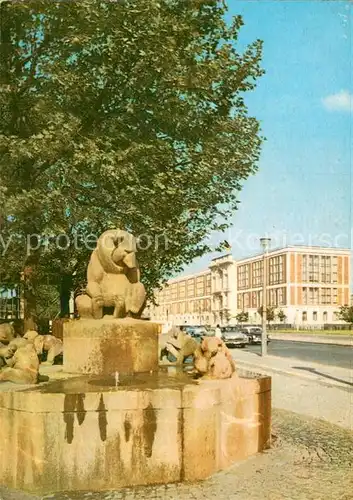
[{"x": 325, "y": 354}]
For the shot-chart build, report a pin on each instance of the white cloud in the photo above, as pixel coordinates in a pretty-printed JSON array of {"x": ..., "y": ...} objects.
[{"x": 342, "y": 101}]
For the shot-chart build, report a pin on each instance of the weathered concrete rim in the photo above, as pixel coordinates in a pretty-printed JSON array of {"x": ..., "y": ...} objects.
[
  {"x": 179, "y": 395},
  {"x": 219, "y": 422}
]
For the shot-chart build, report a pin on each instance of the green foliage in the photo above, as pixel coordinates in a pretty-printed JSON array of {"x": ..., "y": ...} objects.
[
  {"x": 47, "y": 304},
  {"x": 281, "y": 316},
  {"x": 270, "y": 313},
  {"x": 121, "y": 114},
  {"x": 242, "y": 317},
  {"x": 345, "y": 313}
]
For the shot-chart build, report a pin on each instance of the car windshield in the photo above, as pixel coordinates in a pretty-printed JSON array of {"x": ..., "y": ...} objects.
[
  {"x": 256, "y": 330},
  {"x": 198, "y": 330}
]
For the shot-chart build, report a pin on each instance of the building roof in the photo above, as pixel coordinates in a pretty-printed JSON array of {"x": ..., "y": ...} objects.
[
  {"x": 221, "y": 256},
  {"x": 288, "y": 248},
  {"x": 299, "y": 248}
]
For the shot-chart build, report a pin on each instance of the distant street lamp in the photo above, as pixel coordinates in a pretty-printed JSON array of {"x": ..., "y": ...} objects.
[{"x": 265, "y": 244}]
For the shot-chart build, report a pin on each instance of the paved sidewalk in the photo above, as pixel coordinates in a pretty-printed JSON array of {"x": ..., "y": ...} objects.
[
  {"x": 315, "y": 339},
  {"x": 323, "y": 374},
  {"x": 319, "y": 391}
]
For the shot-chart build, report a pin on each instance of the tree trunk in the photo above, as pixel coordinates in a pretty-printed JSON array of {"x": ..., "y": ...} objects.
[
  {"x": 65, "y": 295},
  {"x": 30, "y": 308},
  {"x": 29, "y": 296}
]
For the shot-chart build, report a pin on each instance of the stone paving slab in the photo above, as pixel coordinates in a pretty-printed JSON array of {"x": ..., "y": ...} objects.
[
  {"x": 310, "y": 460},
  {"x": 316, "y": 394}
]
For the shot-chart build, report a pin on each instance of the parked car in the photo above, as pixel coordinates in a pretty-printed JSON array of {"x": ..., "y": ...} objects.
[
  {"x": 254, "y": 334},
  {"x": 196, "y": 331},
  {"x": 233, "y": 337},
  {"x": 210, "y": 332}
]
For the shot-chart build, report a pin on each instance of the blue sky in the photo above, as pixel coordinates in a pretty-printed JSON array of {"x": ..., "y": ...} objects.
[{"x": 302, "y": 191}]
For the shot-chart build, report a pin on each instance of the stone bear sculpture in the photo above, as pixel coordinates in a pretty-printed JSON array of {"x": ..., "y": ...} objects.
[
  {"x": 22, "y": 367},
  {"x": 113, "y": 279},
  {"x": 7, "y": 332},
  {"x": 6, "y": 352},
  {"x": 45, "y": 343},
  {"x": 213, "y": 360},
  {"x": 180, "y": 345}
]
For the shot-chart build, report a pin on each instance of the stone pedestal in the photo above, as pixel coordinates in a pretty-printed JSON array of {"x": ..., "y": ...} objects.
[
  {"x": 84, "y": 432},
  {"x": 81, "y": 434},
  {"x": 110, "y": 345}
]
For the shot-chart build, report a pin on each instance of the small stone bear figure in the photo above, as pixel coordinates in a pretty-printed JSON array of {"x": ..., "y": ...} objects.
[
  {"x": 6, "y": 352},
  {"x": 22, "y": 367},
  {"x": 7, "y": 332},
  {"x": 213, "y": 360},
  {"x": 179, "y": 346},
  {"x": 113, "y": 279},
  {"x": 45, "y": 343}
]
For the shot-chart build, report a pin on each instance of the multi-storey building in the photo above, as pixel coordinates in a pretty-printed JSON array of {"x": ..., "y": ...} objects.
[
  {"x": 204, "y": 298},
  {"x": 224, "y": 289},
  {"x": 11, "y": 302},
  {"x": 308, "y": 284},
  {"x": 185, "y": 300}
]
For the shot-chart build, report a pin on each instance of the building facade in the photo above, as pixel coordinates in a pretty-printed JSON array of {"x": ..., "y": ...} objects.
[
  {"x": 185, "y": 300},
  {"x": 305, "y": 285},
  {"x": 223, "y": 289},
  {"x": 205, "y": 298},
  {"x": 308, "y": 284},
  {"x": 11, "y": 303}
]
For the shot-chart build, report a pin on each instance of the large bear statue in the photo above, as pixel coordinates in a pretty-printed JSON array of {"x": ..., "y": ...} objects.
[{"x": 113, "y": 279}]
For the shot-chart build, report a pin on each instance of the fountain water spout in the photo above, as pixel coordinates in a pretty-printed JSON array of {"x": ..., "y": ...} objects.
[{"x": 117, "y": 380}]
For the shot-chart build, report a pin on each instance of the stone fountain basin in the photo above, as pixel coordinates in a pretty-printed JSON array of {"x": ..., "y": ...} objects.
[{"x": 83, "y": 433}]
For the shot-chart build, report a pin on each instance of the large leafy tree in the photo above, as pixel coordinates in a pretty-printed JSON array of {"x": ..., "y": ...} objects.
[{"x": 120, "y": 114}]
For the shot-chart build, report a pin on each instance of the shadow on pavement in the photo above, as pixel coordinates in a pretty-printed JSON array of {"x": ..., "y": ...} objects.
[{"x": 313, "y": 370}]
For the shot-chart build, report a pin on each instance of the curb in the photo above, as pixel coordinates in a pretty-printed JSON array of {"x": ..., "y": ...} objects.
[
  {"x": 264, "y": 370},
  {"x": 294, "y": 338}
]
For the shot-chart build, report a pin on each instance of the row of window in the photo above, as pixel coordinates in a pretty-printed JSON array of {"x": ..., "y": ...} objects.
[
  {"x": 278, "y": 297},
  {"x": 316, "y": 316},
  {"x": 323, "y": 296},
  {"x": 251, "y": 275},
  {"x": 163, "y": 315},
  {"x": 275, "y": 297},
  {"x": 199, "y": 286},
  {"x": 320, "y": 268},
  {"x": 193, "y": 306},
  {"x": 193, "y": 287},
  {"x": 220, "y": 302},
  {"x": 220, "y": 280},
  {"x": 315, "y": 269}
]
